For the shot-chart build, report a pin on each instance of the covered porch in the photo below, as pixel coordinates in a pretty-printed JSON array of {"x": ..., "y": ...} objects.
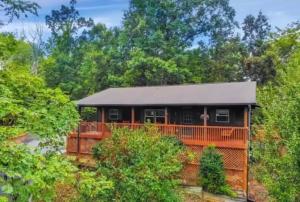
[{"x": 223, "y": 126}]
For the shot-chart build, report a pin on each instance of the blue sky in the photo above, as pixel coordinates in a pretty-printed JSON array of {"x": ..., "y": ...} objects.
[{"x": 110, "y": 12}]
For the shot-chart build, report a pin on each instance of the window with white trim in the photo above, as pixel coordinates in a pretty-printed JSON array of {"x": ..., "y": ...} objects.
[
  {"x": 187, "y": 118},
  {"x": 222, "y": 115},
  {"x": 154, "y": 115},
  {"x": 114, "y": 114}
]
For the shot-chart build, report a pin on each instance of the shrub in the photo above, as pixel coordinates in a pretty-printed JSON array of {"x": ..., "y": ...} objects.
[
  {"x": 212, "y": 174},
  {"x": 142, "y": 165},
  {"x": 3, "y": 199},
  {"x": 93, "y": 187},
  {"x": 27, "y": 173},
  {"x": 173, "y": 140},
  {"x": 88, "y": 186}
]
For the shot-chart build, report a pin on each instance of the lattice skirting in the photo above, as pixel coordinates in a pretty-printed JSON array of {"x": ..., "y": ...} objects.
[{"x": 235, "y": 163}]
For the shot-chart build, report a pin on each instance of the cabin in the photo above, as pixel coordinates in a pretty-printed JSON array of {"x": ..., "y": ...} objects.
[{"x": 198, "y": 115}]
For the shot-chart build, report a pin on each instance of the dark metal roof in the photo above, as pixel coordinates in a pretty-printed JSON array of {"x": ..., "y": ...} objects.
[{"x": 235, "y": 93}]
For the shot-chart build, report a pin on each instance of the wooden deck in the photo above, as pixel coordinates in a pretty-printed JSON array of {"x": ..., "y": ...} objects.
[
  {"x": 231, "y": 142},
  {"x": 225, "y": 137}
]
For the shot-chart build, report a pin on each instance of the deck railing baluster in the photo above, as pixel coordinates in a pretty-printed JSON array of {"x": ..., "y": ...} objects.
[{"x": 188, "y": 134}]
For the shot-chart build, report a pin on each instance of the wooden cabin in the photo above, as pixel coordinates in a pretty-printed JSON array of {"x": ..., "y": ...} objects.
[{"x": 198, "y": 115}]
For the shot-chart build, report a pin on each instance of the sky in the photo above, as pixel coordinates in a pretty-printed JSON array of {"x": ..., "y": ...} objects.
[{"x": 110, "y": 12}]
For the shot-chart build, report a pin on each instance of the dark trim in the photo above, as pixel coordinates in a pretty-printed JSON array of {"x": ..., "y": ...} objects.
[{"x": 166, "y": 104}]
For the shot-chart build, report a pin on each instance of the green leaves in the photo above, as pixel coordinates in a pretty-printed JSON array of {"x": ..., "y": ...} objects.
[
  {"x": 29, "y": 173},
  {"x": 277, "y": 154},
  {"x": 142, "y": 165},
  {"x": 93, "y": 187},
  {"x": 212, "y": 172},
  {"x": 144, "y": 70},
  {"x": 27, "y": 105},
  {"x": 7, "y": 189}
]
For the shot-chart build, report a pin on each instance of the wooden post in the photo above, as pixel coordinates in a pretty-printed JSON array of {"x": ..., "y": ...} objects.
[
  {"x": 98, "y": 118},
  {"x": 78, "y": 132},
  {"x": 205, "y": 116},
  {"x": 132, "y": 117},
  {"x": 166, "y": 116},
  {"x": 205, "y": 123},
  {"x": 245, "y": 168},
  {"x": 246, "y": 117},
  {"x": 103, "y": 121},
  {"x": 166, "y": 120}
]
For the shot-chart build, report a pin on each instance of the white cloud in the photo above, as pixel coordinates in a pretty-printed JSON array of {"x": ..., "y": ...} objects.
[
  {"x": 20, "y": 28},
  {"x": 98, "y": 7},
  {"x": 51, "y": 3},
  {"x": 109, "y": 21}
]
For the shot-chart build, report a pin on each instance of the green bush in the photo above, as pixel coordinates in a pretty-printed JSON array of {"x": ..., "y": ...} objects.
[
  {"x": 93, "y": 187},
  {"x": 212, "y": 174},
  {"x": 31, "y": 174},
  {"x": 142, "y": 165},
  {"x": 3, "y": 199}
]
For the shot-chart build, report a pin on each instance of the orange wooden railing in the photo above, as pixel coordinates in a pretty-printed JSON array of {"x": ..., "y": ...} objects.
[
  {"x": 189, "y": 134},
  {"x": 230, "y": 141}
]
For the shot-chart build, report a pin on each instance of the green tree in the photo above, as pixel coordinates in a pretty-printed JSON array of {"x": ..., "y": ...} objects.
[
  {"x": 15, "y": 8},
  {"x": 163, "y": 31},
  {"x": 142, "y": 165},
  {"x": 66, "y": 55},
  {"x": 14, "y": 54},
  {"x": 28, "y": 106},
  {"x": 144, "y": 70},
  {"x": 277, "y": 153},
  {"x": 165, "y": 28},
  {"x": 256, "y": 33}
]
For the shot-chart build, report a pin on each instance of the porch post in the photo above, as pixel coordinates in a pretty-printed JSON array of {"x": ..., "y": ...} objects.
[
  {"x": 205, "y": 116},
  {"x": 132, "y": 117},
  {"x": 103, "y": 121},
  {"x": 98, "y": 118},
  {"x": 246, "y": 117},
  {"x": 205, "y": 123},
  {"x": 166, "y": 121},
  {"x": 166, "y": 115},
  {"x": 78, "y": 132}
]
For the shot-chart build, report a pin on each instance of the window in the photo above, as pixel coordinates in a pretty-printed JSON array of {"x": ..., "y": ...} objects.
[
  {"x": 154, "y": 115},
  {"x": 114, "y": 114},
  {"x": 187, "y": 118},
  {"x": 222, "y": 115}
]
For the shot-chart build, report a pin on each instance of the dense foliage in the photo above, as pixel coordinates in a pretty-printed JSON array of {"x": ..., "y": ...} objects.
[
  {"x": 29, "y": 174},
  {"x": 142, "y": 165},
  {"x": 212, "y": 172},
  {"x": 159, "y": 42},
  {"x": 28, "y": 106},
  {"x": 277, "y": 149}
]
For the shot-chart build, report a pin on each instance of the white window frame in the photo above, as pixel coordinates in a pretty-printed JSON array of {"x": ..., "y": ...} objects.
[
  {"x": 154, "y": 114},
  {"x": 187, "y": 118},
  {"x": 114, "y": 114},
  {"x": 223, "y": 113}
]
